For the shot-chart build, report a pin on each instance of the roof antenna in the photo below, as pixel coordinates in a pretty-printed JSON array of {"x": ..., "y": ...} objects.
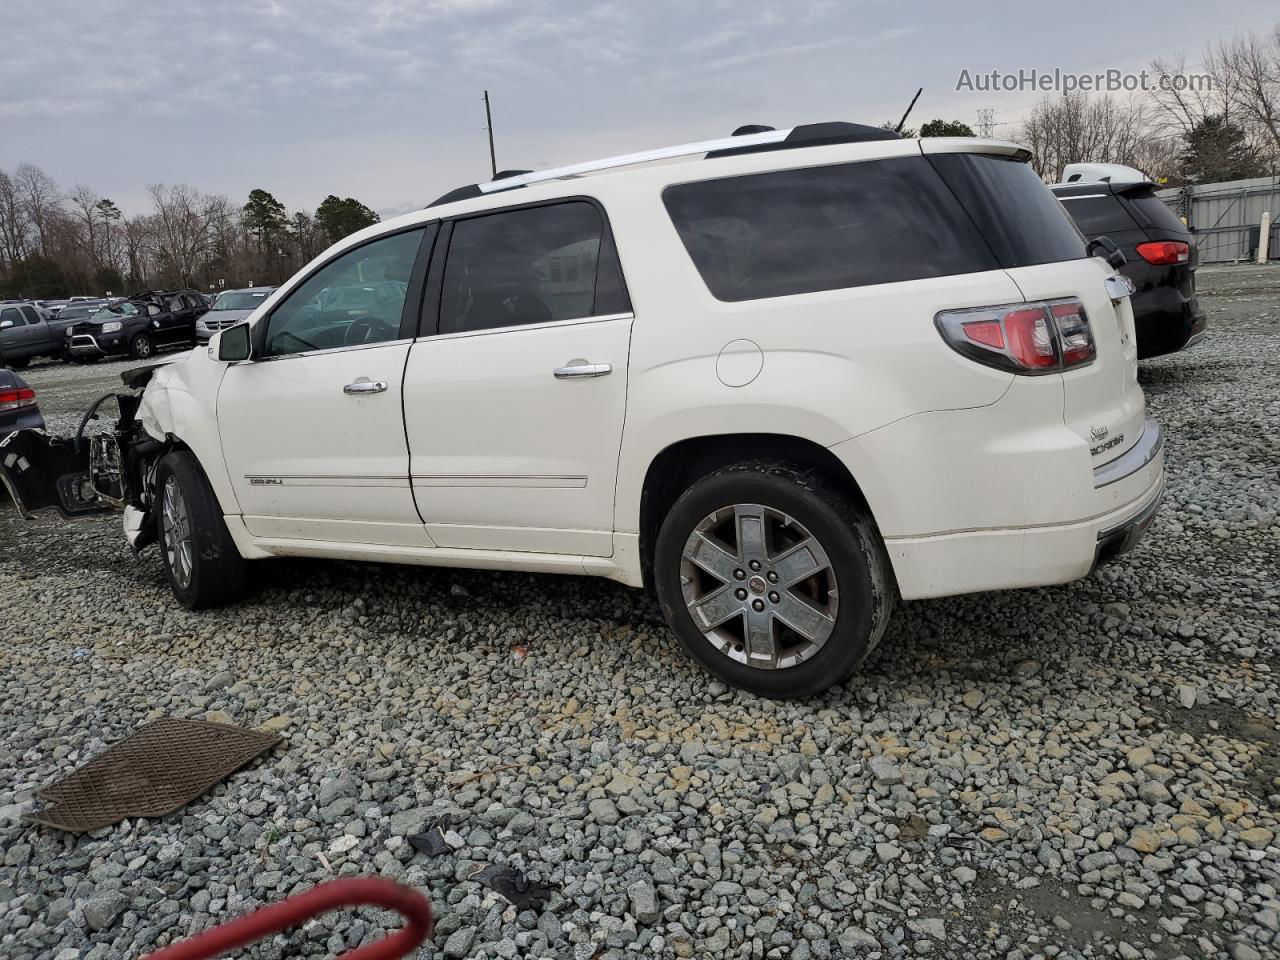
[
  {"x": 903, "y": 121},
  {"x": 488, "y": 120}
]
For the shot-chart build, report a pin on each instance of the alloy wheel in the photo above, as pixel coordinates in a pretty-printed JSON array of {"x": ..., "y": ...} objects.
[
  {"x": 176, "y": 523},
  {"x": 759, "y": 586}
]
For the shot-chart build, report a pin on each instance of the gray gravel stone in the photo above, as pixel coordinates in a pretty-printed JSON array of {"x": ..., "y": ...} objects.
[{"x": 1011, "y": 775}]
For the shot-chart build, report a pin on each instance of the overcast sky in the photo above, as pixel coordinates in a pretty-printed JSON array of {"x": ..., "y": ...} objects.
[{"x": 380, "y": 99}]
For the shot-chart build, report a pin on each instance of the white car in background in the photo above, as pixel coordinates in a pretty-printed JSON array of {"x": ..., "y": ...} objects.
[{"x": 779, "y": 378}]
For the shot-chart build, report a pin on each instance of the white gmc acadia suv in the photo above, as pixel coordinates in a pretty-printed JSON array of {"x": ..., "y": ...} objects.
[{"x": 779, "y": 377}]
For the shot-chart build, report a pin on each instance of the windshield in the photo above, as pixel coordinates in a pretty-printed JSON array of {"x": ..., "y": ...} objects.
[
  {"x": 236, "y": 300},
  {"x": 75, "y": 313},
  {"x": 115, "y": 311}
]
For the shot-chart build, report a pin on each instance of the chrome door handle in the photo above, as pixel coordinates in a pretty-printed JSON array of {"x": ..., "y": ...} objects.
[
  {"x": 365, "y": 386},
  {"x": 580, "y": 368}
]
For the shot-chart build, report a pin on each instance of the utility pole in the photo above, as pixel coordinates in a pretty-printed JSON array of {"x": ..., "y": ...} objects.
[
  {"x": 488, "y": 119},
  {"x": 986, "y": 123}
]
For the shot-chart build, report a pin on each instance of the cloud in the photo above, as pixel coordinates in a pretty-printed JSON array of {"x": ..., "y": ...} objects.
[{"x": 380, "y": 99}]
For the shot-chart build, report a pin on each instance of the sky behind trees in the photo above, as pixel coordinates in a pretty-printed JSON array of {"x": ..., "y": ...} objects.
[{"x": 381, "y": 100}]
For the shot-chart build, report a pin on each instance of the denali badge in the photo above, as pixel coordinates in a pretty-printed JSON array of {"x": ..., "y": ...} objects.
[
  {"x": 1100, "y": 448},
  {"x": 266, "y": 482}
]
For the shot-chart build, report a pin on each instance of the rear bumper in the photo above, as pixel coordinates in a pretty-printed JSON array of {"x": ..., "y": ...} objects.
[
  {"x": 981, "y": 560},
  {"x": 967, "y": 503},
  {"x": 1166, "y": 320}
]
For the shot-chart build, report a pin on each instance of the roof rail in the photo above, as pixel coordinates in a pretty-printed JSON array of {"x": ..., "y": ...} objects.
[
  {"x": 627, "y": 159},
  {"x": 751, "y": 138}
]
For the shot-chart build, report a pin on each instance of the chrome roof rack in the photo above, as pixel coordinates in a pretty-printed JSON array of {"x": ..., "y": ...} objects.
[{"x": 628, "y": 159}]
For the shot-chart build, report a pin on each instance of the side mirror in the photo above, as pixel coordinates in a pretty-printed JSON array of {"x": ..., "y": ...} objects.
[
  {"x": 233, "y": 343},
  {"x": 1109, "y": 251},
  {"x": 6, "y": 324}
]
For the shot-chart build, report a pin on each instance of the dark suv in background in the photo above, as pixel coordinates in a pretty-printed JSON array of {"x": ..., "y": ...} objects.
[
  {"x": 1160, "y": 252},
  {"x": 139, "y": 326}
]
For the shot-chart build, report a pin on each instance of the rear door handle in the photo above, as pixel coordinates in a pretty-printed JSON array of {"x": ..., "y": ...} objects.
[
  {"x": 365, "y": 386},
  {"x": 580, "y": 368}
]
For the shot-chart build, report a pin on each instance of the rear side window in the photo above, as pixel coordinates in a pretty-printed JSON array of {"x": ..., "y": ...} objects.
[
  {"x": 824, "y": 228},
  {"x": 1099, "y": 214},
  {"x": 1153, "y": 213},
  {"x": 1020, "y": 218},
  {"x": 531, "y": 265}
]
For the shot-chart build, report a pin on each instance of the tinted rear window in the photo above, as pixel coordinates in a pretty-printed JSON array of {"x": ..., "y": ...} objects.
[
  {"x": 1154, "y": 214},
  {"x": 826, "y": 228},
  {"x": 1021, "y": 219},
  {"x": 1098, "y": 215}
]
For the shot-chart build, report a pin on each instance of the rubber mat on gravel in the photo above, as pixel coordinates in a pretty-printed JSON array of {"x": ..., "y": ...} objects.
[{"x": 159, "y": 768}]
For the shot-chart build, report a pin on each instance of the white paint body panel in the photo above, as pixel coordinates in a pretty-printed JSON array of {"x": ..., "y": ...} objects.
[
  {"x": 976, "y": 478},
  {"x": 504, "y": 456}
]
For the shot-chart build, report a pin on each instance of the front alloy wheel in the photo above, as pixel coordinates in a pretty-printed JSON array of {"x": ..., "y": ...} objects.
[
  {"x": 198, "y": 554},
  {"x": 759, "y": 586},
  {"x": 176, "y": 525}
]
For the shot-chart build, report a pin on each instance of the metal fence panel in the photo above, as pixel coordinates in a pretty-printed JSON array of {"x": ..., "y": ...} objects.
[{"x": 1226, "y": 215}]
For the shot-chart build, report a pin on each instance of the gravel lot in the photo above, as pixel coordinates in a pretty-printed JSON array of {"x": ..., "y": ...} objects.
[{"x": 1085, "y": 771}]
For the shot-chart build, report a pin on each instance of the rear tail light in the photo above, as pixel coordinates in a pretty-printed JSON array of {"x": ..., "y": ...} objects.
[
  {"x": 16, "y": 398},
  {"x": 1027, "y": 338},
  {"x": 1164, "y": 252}
]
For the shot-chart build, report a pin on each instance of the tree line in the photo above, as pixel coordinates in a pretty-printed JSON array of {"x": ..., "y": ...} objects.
[
  {"x": 1175, "y": 133},
  {"x": 56, "y": 243}
]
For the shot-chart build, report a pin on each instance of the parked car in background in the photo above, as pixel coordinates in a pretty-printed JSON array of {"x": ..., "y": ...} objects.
[
  {"x": 18, "y": 407},
  {"x": 138, "y": 326},
  {"x": 230, "y": 307},
  {"x": 26, "y": 333},
  {"x": 1160, "y": 252},
  {"x": 53, "y": 306},
  {"x": 843, "y": 358}
]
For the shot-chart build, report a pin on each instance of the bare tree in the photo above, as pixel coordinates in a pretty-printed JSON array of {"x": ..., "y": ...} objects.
[
  {"x": 137, "y": 247},
  {"x": 182, "y": 230},
  {"x": 1250, "y": 70},
  {"x": 1078, "y": 129},
  {"x": 1183, "y": 104},
  {"x": 13, "y": 223},
  {"x": 39, "y": 196},
  {"x": 84, "y": 209}
]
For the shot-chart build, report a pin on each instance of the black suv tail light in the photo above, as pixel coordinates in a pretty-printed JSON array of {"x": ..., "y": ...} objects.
[
  {"x": 1164, "y": 252},
  {"x": 1026, "y": 338}
]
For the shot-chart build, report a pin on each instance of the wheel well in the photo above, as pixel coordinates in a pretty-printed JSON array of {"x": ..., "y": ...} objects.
[{"x": 680, "y": 465}]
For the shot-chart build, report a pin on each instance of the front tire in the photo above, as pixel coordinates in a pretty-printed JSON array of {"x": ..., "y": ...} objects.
[
  {"x": 201, "y": 560},
  {"x": 141, "y": 347},
  {"x": 772, "y": 579}
]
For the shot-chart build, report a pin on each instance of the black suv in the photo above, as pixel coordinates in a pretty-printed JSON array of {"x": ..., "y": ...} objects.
[
  {"x": 1160, "y": 252},
  {"x": 139, "y": 326}
]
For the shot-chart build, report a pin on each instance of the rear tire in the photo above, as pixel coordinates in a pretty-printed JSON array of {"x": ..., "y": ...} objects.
[
  {"x": 141, "y": 347},
  {"x": 19, "y": 364},
  {"x": 791, "y": 586},
  {"x": 201, "y": 560}
]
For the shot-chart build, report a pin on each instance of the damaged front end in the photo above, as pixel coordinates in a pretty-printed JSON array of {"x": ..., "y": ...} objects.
[{"x": 83, "y": 476}]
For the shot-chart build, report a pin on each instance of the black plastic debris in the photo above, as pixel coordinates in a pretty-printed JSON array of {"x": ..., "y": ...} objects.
[
  {"x": 524, "y": 894},
  {"x": 431, "y": 842}
]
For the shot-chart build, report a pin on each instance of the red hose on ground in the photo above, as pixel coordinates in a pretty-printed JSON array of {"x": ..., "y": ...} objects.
[{"x": 351, "y": 892}]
